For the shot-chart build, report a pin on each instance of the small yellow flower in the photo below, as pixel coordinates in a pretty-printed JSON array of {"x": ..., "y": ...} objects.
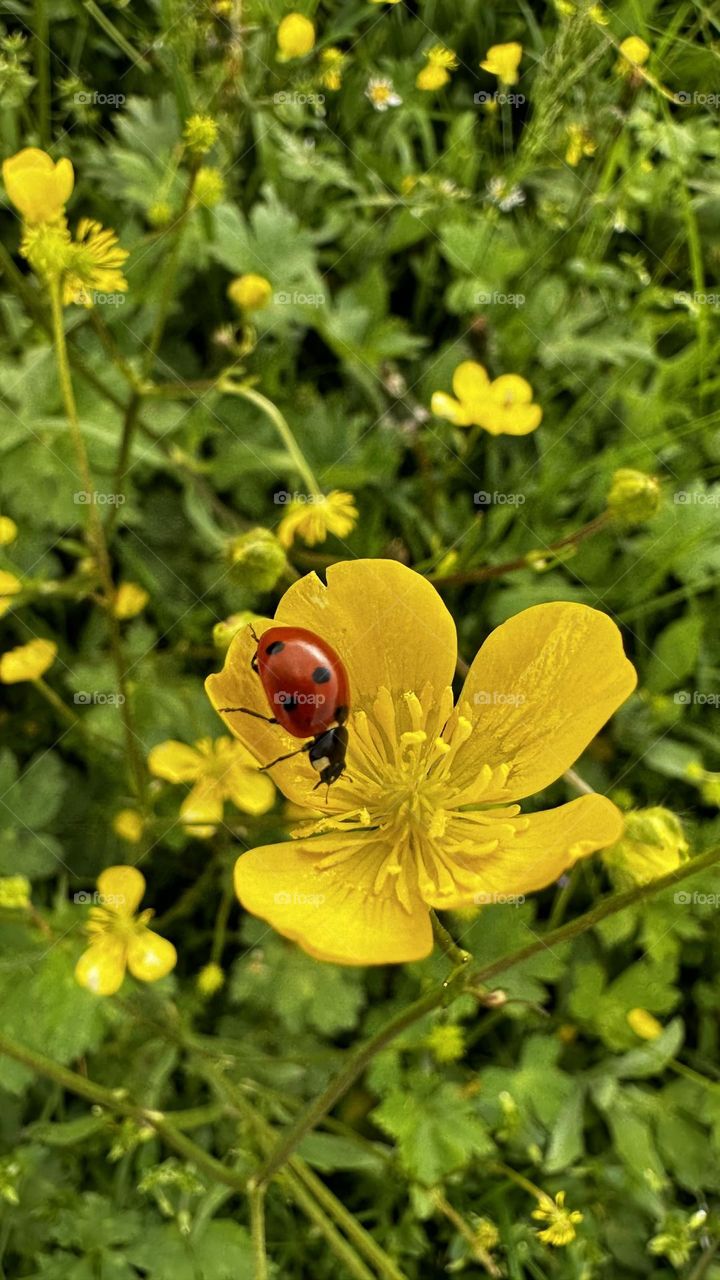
[
  {"x": 295, "y": 37},
  {"x": 503, "y": 60},
  {"x": 220, "y": 770},
  {"x": 426, "y": 814},
  {"x": 381, "y": 93},
  {"x": 317, "y": 516},
  {"x": 209, "y": 186},
  {"x": 37, "y": 185},
  {"x": 580, "y": 143},
  {"x": 333, "y": 61},
  {"x": 14, "y": 892},
  {"x": 250, "y": 292},
  {"x": 8, "y": 531},
  {"x": 159, "y": 213},
  {"x": 130, "y": 600},
  {"x": 562, "y": 1221},
  {"x": 120, "y": 940},
  {"x": 128, "y": 825},
  {"x": 502, "y": 407},
  {"x": 210, "y": 979},
  {"x": 634, "y": 52},
  {"x": 644, "y": 1024},
  {"x": 440, "y": 62},
  {"x": 9, "y": 586},
  {"x": 94, "y": 264},
  {"x": 446, "y": 1042},
  {"x": 200, "y": 134},
  {"x": 651, "y": 845},
  {"x": 28, "y": 662}
]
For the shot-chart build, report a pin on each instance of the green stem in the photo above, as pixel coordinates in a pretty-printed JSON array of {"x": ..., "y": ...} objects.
[
  {"x": 302, "y": 466},
  {"x": 355, "y": 1064},
  {"x": 256, "y": 1198},
  {"x": 116, "y": 1101},
  {"x": 97, "y": 537},
  {"x": 522, "y": 562},
  {"x": 447, "y": 943},
  {"x": 41, "y": 34},
  {"x": 170, "y": 274}
]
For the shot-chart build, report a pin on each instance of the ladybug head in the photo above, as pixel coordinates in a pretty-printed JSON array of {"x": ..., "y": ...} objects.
[{"x": 327, "y": 754}]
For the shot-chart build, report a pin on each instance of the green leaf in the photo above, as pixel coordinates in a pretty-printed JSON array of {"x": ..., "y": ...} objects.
[{"x": 437, "y": 1130}]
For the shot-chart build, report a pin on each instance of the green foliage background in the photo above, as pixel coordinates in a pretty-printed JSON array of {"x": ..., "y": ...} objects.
[{"x": 616, "y": 261}]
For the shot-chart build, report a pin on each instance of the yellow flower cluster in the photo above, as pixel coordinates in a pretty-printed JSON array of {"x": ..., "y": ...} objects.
[{"x": 501, "y": 407}]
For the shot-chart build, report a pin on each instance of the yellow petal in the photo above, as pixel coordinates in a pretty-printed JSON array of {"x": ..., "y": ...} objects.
[
  {"x": 542, "y": 686},
  {"x": 150, "y": 957},
  {"x": 444, "y": 406},
  {"x": 175, "y": 762},
  {"x": 36, "y": 185},
  {"x": 470, "y": 381},
  {"x": 250, "y": 791},
  {"x": 101, "y": 968},
  {"x": 204, "y": 804},
  {"x": 510, "y": 389},
  {"x": 332, "y": 913},
  {"x": 518, "y": 420},
  {"x": 543, "y": 847},
  {"x": 121, "y": 888},
  {"x": 28, "y": 662}
]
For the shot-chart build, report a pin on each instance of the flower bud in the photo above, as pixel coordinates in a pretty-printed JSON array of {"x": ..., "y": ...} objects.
[
  {"x": 652, "y": 844},
  {"x": 250, "y": 292},
  {"x": 295, "y": 37},
  {"x": 210, "y": 980},
  {"x": 8, "y": 531},
  {"x": 200, "y": 134},
  {"x": 14, "y": 892},
  {"x": 259, "y": 559},
  {"x": 634, "y": 496},
  {"x": 128, "y": 825},
  {"x": 644, "y": 1024},
  {"x": 224, "y": 632}
]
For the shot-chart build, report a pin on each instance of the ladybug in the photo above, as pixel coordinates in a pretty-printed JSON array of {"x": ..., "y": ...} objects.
[{"x": 307, "y": 689}]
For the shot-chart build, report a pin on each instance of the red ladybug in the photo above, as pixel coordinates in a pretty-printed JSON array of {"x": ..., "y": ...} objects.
[{"x": 306, "y": 686}]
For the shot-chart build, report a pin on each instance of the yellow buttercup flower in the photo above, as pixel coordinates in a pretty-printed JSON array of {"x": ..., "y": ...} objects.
[
  {"x": 130, "y": 600},
  {"x": 295, "y": 37},
  {"x": 220, "y": 770},
  {"x": 440, "y": 62},
  {"x": 10, "y": 586},
  {"x": 313, "y": 518},
  {"x": 28, "y": 662},
  {"x": 634, "y": 52},
  {"x": 120, "y": 940},
  {"x": 94, "y": 264},
  {"x": 128, "y": 825},
  {"x": 200, "y": 133},
  {"x": 644, "y": 1024},
  {"x": 250, "y": 292},
  {"x": 503, "y": 60},
  {"x": 502, "y": 407},
  {"x": 38, "y": 186},
  {"x": 580, "y": 143},
  {"x": 426, "y": 814},
  {"x": 8, "y": 531},
  {"x": 333, "y": 61},
  {"x": 562, "y": 1221}
]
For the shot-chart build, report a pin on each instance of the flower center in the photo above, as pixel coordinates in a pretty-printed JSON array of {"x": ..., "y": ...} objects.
[{"x": 405, "y": 798}]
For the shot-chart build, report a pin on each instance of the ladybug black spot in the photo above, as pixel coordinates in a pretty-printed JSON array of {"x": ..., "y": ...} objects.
[
  {"x": 321, "y": 675},
  {"x": 276, "y": 647}
]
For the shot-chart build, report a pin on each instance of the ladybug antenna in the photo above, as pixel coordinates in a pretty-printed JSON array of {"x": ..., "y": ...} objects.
[{"x": 252, "y": 633}]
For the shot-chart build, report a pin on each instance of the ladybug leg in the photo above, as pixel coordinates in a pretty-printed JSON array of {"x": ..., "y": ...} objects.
[
  {"x": 257, "y": 714},
  {"x": 289, "y": 756},
  {"x": 254, "y": 665}
]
